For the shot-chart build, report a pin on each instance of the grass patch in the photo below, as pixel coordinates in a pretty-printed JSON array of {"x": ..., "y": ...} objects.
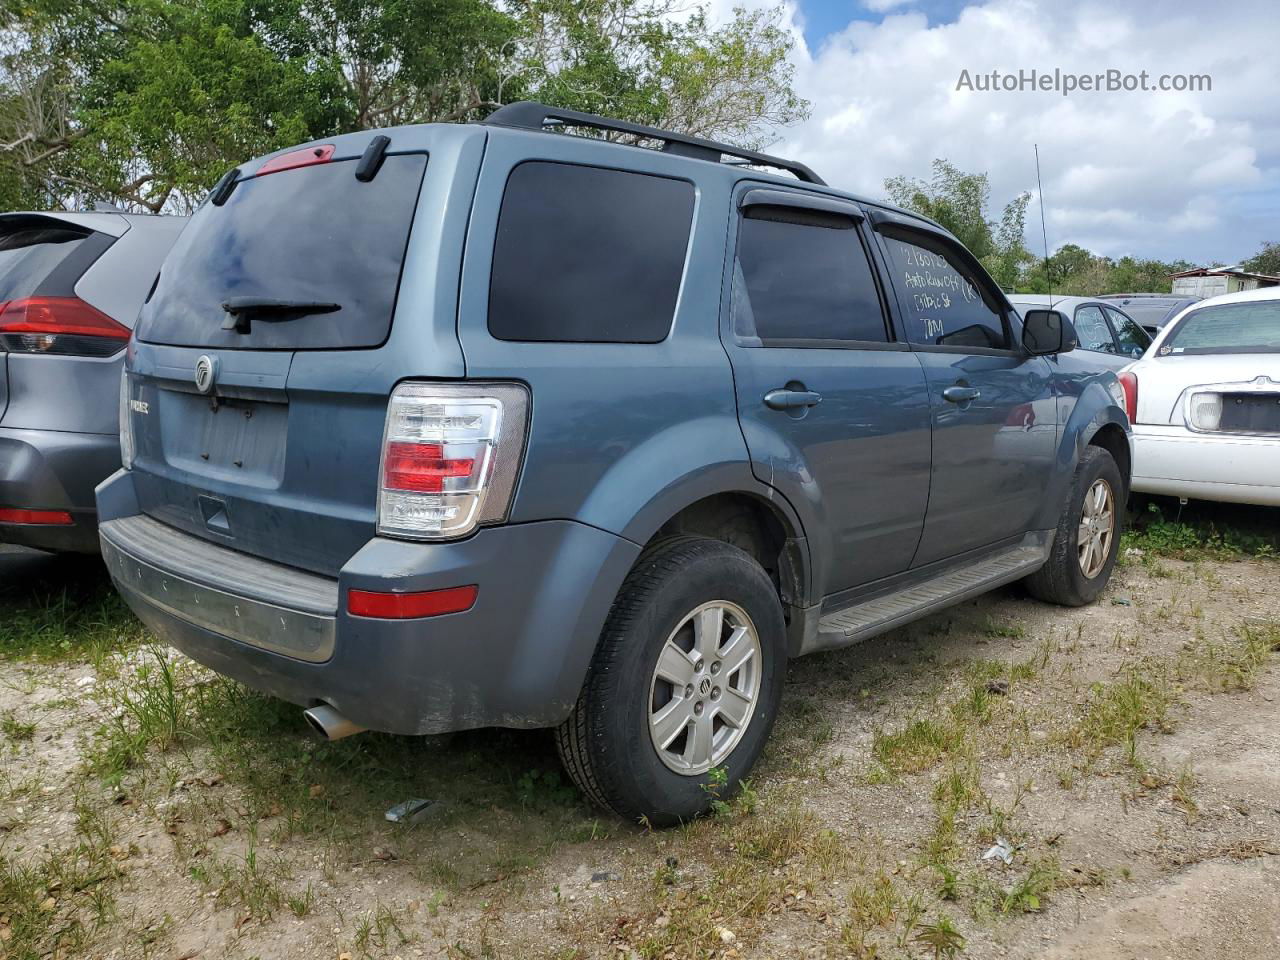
[
  {"x": 51, "y": 905},
  {"x": 757, "y": 859},
  {"x": 1204, "y": 532},
  {"x": 1117, "y": 711},
  {"x": 67, "y": 610}
]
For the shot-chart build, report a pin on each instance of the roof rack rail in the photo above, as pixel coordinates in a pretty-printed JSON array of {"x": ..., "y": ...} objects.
[{"x": 528, "y": 115}]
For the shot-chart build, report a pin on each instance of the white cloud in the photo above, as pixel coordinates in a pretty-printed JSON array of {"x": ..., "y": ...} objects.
[
  {"x": 1155, "y": 174},
  {"x": 880, "y": 6}
]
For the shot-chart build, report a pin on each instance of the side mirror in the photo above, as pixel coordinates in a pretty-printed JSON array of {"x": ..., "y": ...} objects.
[{"x": 1047, "y": 331}]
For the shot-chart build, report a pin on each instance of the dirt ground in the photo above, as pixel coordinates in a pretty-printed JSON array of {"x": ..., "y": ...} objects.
[{"x": 1126, "y": 753}]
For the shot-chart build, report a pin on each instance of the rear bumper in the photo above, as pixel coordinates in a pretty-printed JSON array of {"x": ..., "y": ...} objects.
[
  {"x": 1174, "y": 461},
  {"x": 54, "y": 470},
  {"x": 515, "y": 659}
]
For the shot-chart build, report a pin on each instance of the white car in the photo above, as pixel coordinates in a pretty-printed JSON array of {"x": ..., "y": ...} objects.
[{"x": 1205, "y": 402}]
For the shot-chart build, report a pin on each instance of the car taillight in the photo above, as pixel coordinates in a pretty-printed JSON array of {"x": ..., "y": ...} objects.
[
  {"x": 450, "y": 457},
  {"x": 38, "y": 518},
  {"x": 66, "y": 326},
  {"x": 126, "y": 422},
  {"x": 1129, "y": 381},
  {"x": 1204, "y": 411}
]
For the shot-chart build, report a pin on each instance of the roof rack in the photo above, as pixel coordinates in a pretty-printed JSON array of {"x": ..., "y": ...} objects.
[{"x": 528, "y": 115}]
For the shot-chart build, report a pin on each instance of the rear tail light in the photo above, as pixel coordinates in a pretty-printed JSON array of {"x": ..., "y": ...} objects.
[
  {"x": 36, "y": 518},
  {"x": 66, "y": 326},
  {"x": 449, "y": 458},
  {"x": 1129, "y": 382},
  {"x": 1204, "y": 411},
  {"x": 126, "y": 422}
]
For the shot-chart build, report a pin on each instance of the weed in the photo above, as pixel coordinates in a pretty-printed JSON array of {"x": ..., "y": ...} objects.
[
  {"x": 375, "y": 929},
  {"x": 1028, "y": 894},
  {"x": 918, "y": 746},
  {"x": 941, "y": 937},
  {"x": 14, "y": 729},
  {"x": 1122, "y": 708}
]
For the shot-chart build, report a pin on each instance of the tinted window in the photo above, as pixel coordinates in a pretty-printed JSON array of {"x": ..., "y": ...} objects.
[
  {"x": 586, "y": 254},
  {"x": 1092, "y": 330},
  {"x": 1227, "y": 328},
  {"x": 1133, "y": 340},
  {"x": 314, "y": 234},
  {"x": 802, "y": 281},
  {"x": 943, "y": 304},
  {"x": 28, "y": 254}
]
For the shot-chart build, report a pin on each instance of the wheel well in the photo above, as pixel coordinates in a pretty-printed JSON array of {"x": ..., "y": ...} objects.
[
  {"x": 1112, "y": 439},
  {"x": 752, "y": 525}
]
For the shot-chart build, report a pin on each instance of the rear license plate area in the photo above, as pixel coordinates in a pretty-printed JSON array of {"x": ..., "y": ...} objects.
[
  {"x": 1250, "y": 413},
  {"x": 240, "y": 441}
]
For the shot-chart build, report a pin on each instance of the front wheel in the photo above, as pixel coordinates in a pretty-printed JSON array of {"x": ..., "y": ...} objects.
[
  {"x": 1088, "y": 535},
  {"x": 686, "y": 681}
]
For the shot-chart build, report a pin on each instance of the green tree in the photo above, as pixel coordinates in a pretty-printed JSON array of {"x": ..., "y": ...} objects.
[
  {"x": 959, "y": 202},
  {"x": 147, "y": 102},
  {"x": 1266, "y": 260},
  {"x": 637, "y": 60}
]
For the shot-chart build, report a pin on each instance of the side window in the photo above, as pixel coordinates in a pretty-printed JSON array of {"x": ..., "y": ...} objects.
[
  {"x": 587, "y": 254},
  {"x": 804, "y": 275},
  {"x": 1092, "y": 329},
  {"x": 1132, "y": 338},
  {"x": 944, "y": 306}
]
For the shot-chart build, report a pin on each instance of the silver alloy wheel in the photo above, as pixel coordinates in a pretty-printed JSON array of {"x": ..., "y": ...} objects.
[
  {"x": 1097, "y": 528},
  {"x": 704, "y": 687}
]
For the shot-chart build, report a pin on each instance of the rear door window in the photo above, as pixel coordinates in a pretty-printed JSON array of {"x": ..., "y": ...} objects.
[
  {"x": 804, "y": 281},
  {"x": 313, "y": 235},
  {"x": 944, "y": 302},
  {"x": 585, "y": 254}
]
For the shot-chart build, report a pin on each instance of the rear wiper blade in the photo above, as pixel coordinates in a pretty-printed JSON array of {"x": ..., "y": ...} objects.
[{"x": 241, "y": 309}]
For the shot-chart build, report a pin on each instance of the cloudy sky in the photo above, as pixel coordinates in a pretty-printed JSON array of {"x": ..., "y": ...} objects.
[{"x": 1163, "y": 174}]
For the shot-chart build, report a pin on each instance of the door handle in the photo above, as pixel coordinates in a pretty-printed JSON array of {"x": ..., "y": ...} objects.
[
  {"x": 791, "y": 399},
  {"x": 961, "y": 394}
]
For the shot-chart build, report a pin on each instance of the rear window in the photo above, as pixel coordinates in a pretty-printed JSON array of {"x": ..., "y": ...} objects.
[
  {"x": 30, "y": 254},
  {"x": 585, "y": 254},
  {"x": 1227, "y": 328},
  {"x": 1150, "y": 314},
  {"x": 312, "y": 235}
]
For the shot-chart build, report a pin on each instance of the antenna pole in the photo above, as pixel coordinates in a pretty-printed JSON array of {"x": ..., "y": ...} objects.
[{"x": 1048, "y": 276}]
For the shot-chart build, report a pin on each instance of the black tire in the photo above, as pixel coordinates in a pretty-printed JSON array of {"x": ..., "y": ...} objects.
[
  {"x": 605, "y": 744},
  {"x": 1062, "y": 580}
]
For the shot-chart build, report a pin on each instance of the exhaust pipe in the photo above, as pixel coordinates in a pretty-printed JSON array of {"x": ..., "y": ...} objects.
[{"x": 329, "y": 723}]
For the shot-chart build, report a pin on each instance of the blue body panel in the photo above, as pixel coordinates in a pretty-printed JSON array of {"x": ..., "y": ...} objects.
[{"x": 879, "y": 479}]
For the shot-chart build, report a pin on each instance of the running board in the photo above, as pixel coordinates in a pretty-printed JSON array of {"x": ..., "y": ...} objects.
[{"x": 953, "y": 585}]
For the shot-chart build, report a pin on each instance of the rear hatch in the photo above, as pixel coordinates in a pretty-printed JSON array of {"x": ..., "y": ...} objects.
[
  {"x": 41, "y": 319},
  {"x": 263, "y": 359}
]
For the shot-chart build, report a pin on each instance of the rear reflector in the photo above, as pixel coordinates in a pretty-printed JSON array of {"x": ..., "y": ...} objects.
[
  {"x": 297, "y": 158},
  {"x": 410, "y": 606},
  {"x": 59, "y": 325},
  {"x": 50, "y": 518}
]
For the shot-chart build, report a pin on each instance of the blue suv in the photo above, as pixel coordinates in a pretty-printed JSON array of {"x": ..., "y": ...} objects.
[{"x": 454, "y": 426}]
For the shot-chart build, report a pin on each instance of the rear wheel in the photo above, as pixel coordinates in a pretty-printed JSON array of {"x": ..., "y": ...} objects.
[
  {"x": 1088, "y": 535},
  {"x": 686, "y": 681}
]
